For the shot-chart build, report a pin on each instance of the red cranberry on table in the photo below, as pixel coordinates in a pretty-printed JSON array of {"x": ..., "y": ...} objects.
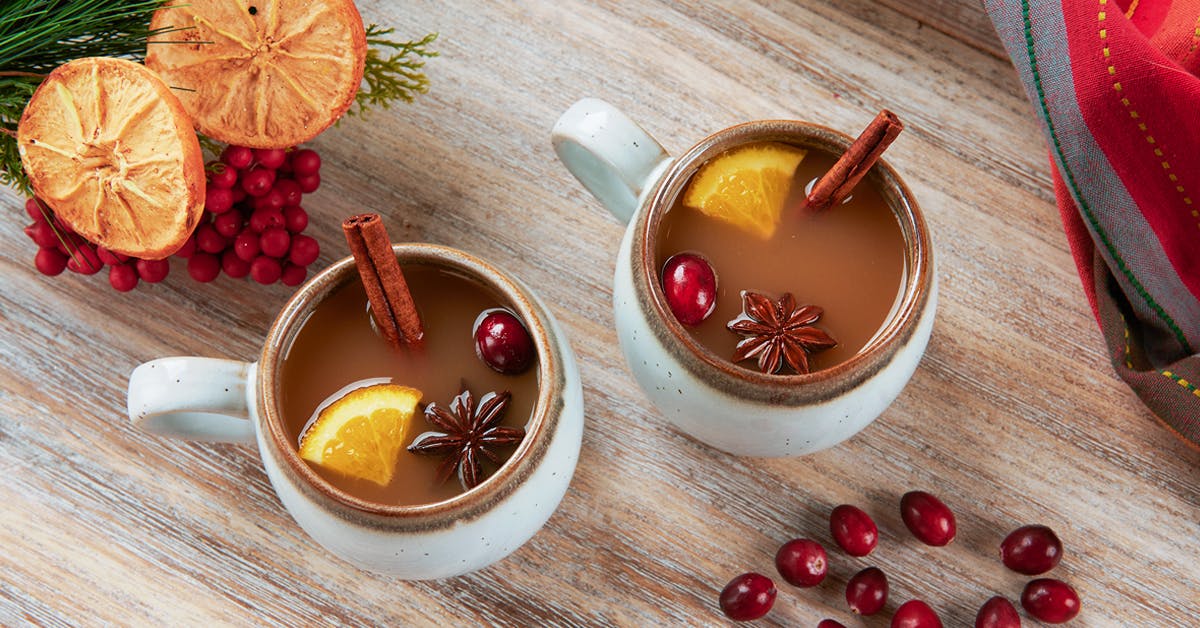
[
  {"x": 830, "y": 623},
  {"x": 867, "y": 591},
  {"x": 502, "y": 342},
  {"x": 997, "y": 612},
  {"x": 931, "y": 521},
  {"x": 748, "y": 596},
  {"x": 1031, "y": 550},
  {"x": 1052, "y": 601},
  {"x": 802, "y": 562},
  {"x": 50, "y": 261},
  {"x": 123, "y": 277},
  {"x": 690, "y": 286},
  {"x": 916, "y": 614},
  {"x": 853, "y": 530}
]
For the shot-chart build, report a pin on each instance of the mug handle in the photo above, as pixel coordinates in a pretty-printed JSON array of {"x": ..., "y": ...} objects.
[
  {"x": 613, "y": 157},
  {"x": 200, "y": 399}
]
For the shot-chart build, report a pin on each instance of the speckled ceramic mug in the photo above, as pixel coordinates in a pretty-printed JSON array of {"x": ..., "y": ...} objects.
[
  {"x": 705, "y": 395},
  {"x": 224, "y": 400}
]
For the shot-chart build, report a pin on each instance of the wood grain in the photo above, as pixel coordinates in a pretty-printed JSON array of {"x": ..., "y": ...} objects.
[{"x": 1013, "y": 417}]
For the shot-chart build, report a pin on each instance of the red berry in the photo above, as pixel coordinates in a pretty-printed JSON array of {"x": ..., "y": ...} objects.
[
  {"x": 123, "y": 277},
  {"x": 84, "y": 260},
  {"x": 931, "y": 521},
  {"x": 309, "y": 182},
  {"x": 290, "y": 191},
  {"x": 306, "y": 162},
  {"x": 997, "y": 612},
  {"x": 502, "y": 342},
  {"x": 915, "y": 614},
  {"x": 271, "y": 200},
  {"x": 293, "y": 275},
  {"x": 50, "y": 261},
  {"x": 265, "y": 270},
  {"x": 690, "y": 286},
  {"x": 233, "y": 265},
  {"x": 271, "y": 158},
  {"x": 153, "y": 270},
  {"x": 1031, "y": 550},
  {"x": 258, "y": 182},
  {"x": 304, "y": 251},
  {"x": 263, "y": 219},
  {"x": 1052, "y": 601},
  {"x": 853, "y": 530},
  {"x": 203, "y": 267},
  {"x": 275, "y": 242},
  {"x": 188, "y": 248},
  {"x": 246, "y": 245},
  {"x": 33, "y": 207},
  {"x": 802, "y": 562},
  {"x": 109, "y": 257},
  {"x": 748, "y": 596},
  {"x": 218, "y": 200},
  {"x": 295, "y": 218},
  {"x": 42, "y": 234},
  {"x": 830, "y": 623},
  {"x": 208, "y": 240},
  {"x": 867, "y": 591},
  {"x": 237, "y": 156},
  {"x": 229, "y": 224},
  {"x": 239, "y": 194},
  {"x": 222, "y": 175}
]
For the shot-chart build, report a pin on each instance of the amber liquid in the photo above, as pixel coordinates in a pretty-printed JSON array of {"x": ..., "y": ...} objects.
[
  {"x": 338, "y": 347},
  {"x": 848, "y": 260}
]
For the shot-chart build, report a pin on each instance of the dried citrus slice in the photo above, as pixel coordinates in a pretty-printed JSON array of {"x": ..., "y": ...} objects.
[
  {"x": 746, "y": 186},
  {"x": 109, "y": 148},
  {"x": 361, "y": 434},
  {"x": 261, "y": 73}
]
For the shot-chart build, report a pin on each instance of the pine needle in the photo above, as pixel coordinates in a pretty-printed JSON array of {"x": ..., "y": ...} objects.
[{"x": 396, "y": 77}]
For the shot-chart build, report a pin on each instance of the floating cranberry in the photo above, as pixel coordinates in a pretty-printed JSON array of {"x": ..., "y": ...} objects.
[
  {"x": 916, "y": 614},
  {"x": 997, "y": 612},
  {"x": 690, "y": 286},
  {"x": 830, "y": 623},
  {"x": 867, "y": 591},
  {"x": 153, "y": 270},
  {"x": 802, "y": 562},
  {"x": 1052, "y": 601},
  {"x": 502, "y": 342},
  {"x": 853, "y": 530},
  {"x": 931, "y": 521},
  {"x": 748, "y": 596},
  {"x": 50, "y": 261},
  {"x": 1031, "y": 550},
  {"x": 123, "y": 277}
]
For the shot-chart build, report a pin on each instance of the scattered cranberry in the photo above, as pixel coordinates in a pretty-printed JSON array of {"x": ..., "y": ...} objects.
[
  {"x": 258, "y": 182},
  {"x": 237, "y": 156},
  {"x": 502, "y": 342},
  {"x": 275, "y": 242},
  {"x": 123, "y": 277},
  {"x": 867, "y": 591},
  {"x": 271, "y": 158},
  {"x": 853, "y": 530},
  {"x": 931, "y": 521},
  {"x": 304, "y": 251},
  {"x": 1031, "y": 550},
  {"x": 690, "y": 286},
  {"x": 50, "y": 261},
  {"x": 265, "y": 269},
  {"x": 997, "y": 612},
  {"x": 1052, "y": 601},
  {"x": 293, "y": 274},
  {"x": 153, "y": 270},
  {"x": 916, "y": 614},
  {"x": 748, "y": 596},
  {"x": 802, "y": 562},
  {"x": 830, "y": 623},
  {"x": 203, "y": 267}
]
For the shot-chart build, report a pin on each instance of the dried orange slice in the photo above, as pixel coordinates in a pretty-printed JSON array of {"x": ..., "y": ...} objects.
[
  {"x": 746, "y": 186},
  {"x": 109, "y": 148},
  {"x": 361, "y": 434},
  {"x": 261, "y": 73}
]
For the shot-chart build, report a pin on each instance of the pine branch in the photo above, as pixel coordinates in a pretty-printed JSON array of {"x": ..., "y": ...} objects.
[{"x": 396, "y": 77}]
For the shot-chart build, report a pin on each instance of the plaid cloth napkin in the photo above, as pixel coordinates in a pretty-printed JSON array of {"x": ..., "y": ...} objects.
[{"x": 1116, "y": 87}]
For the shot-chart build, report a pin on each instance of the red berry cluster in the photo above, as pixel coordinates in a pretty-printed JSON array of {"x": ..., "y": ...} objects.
[
  {"x": 253, "y": 221},
  {"x": 1030, "y": 550}
]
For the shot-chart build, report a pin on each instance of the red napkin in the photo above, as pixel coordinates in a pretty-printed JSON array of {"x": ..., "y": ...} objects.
[{"x": 1116, "y": 87}]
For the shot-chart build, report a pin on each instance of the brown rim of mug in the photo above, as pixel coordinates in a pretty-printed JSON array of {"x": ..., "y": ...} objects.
[
  {"x": 719, "y": 371},
  {"x": 538, "y": 431}
]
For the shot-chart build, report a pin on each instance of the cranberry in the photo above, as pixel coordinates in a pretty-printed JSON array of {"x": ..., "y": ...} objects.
[
  {"x": 237, "y": 157},
  {"x": 209, "y": 240},
  {"x": 275, "y": 242},
  {"x": 123, "y": 277},
  {"x": 258, "y": 182},
  {"x": 306, "y": 162},
  {"x": 266, "y": 218},
  {"x": 830, "y": 623},
  {"x": 293, "y": 275},
  {"x": 1052, "y": 601},
  {"x": 867, "y": 591},
  {"x": 295, "y": 218},
  {"x": 853, "y": 530},
  {"x": 931, "y": 521},
  {"x": 271, "y": 200},
  {"x": 223, "y": 176},
  {"x": 1031, "y": 550},
  {"x": 997, "y": 612},
  {"x": 915, "y": 614},
  {"x": 42, "y": 234},
  {"x": 748, "y": 596},
  {"x": 203, "y": 267},
  {"x": 802, "y": 562},
  {"x": 246, "y": 245},
  {"x": 109, "y": 257},
  {"x": 233, "y": 265},
  {"x": 289, "y": 191},
  {"x": 309, "y": 183},
  {"x": 265, "y": 270},
  {"x": 50, "y": 261},
  {"x": 271, "y": 158},
  {"x": 502, "y": 342},
  {"x": 84, "y": 260},
  {"x": 690, "y": 286},
  {"x": 304, "y": 251},
  {"x": 229, "y": 224},
  {"x": 218, "y": 200},
  {"x": 153, "y": 270},
  {"x": 187, "y": 248},
  {"x": 33, "y": 207}
]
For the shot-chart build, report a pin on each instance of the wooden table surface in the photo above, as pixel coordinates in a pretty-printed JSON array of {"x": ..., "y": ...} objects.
[{"x": 1014, "y": 416}]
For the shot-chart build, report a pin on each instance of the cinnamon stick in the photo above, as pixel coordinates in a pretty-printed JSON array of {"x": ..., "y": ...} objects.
[
  {"x": 839, "y": 182},
  {"x": 391, "y": 302}
]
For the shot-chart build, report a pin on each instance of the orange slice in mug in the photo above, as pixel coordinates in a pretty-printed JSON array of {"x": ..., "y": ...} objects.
[
  {"x": 261, "y": 73},
  {"x": 747, "y": 186},
  {"x": 110, "y": 149},
  {"x": 361, "y": 434}
]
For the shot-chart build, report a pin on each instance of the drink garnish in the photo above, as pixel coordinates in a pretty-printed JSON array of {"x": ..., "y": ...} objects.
[
  {"x": 778, "y": 332},
  {"x": 837, "y": 184},
  {"x": 469, "y": 434},
  {"x": 360, "y": 435},
  {"x": 746, "y": 186},
  {"x": 391, "y": 302}
]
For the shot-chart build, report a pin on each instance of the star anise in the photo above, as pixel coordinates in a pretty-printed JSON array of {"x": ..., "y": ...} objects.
[
  {"x": 778, "y": 332},
  {"x": 469, "y": 435}
]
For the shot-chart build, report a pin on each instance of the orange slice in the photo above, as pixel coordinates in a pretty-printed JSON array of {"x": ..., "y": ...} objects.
[
  {"x": 746, "y": 186},
  {"x": 109, "y": 148},
  {"x": 360, "y": 435},
  {"x": 261, "y": 73}
]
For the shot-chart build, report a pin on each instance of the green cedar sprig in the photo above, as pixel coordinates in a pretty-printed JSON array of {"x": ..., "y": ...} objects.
[{"x": 397, "y": 76}]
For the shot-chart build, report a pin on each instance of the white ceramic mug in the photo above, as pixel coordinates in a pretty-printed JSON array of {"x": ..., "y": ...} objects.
[
  {"x": 225, "y": 400},
  {"x": 705, "y": 395}
]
